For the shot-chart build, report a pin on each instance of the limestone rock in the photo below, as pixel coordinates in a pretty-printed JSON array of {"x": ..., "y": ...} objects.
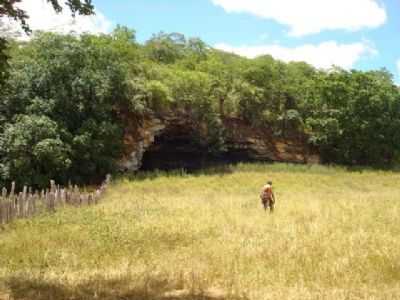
[{"x": 243, "y": 142}]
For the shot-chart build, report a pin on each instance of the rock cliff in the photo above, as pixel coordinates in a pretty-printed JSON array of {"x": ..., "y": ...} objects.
[{"x": 167, "y": 142}]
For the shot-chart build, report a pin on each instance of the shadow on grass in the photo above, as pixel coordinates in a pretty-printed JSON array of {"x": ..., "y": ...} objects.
[
  {"x": 257, "y": 167},
  {"x": 221, "y": 169},
  {"x": 105, "y": 289}
]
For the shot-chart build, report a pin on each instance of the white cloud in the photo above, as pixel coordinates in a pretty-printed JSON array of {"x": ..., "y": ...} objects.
[
  {"x": 323, "y": 55},
  {"x": 312, "y": 16},
  {"x": 43, "y": 17}
]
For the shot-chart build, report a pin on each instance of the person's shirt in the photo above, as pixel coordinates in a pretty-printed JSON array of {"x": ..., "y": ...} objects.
[{"x": 267, "y": 190}]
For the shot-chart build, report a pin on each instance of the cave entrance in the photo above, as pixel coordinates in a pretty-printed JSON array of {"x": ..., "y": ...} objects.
[
  {"x": 178, "y": 148},
  {"x": 175, "y": 148}
]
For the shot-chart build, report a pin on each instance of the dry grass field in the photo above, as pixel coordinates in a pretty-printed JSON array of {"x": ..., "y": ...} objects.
[{"x": 335, "y": 234}]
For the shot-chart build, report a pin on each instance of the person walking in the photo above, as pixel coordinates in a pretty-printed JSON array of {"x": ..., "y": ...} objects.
[{"x": 267, "y": 197}]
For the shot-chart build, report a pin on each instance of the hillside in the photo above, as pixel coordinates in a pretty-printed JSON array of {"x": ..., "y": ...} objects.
[
  {"x": 334, "y": 235},
  {"x": 75, "y": 108}
]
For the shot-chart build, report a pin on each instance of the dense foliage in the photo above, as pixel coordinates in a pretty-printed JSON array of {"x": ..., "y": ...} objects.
[
  {"x": 60, "y": 108},
  {"x": 11, "y": 10}
]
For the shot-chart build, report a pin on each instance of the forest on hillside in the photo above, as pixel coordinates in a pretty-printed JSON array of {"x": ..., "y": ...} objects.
[{"x": 62, "y": 98}]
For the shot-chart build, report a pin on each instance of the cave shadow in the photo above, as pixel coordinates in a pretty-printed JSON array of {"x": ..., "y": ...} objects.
[
  {"x": 20, "y": 288},
  {"x": 222, "y": 169},
  {"x": 180, "y": 151},
  {"x": 218, "y": 169}
]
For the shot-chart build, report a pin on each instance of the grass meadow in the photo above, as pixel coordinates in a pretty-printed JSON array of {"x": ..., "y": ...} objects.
[{"x": 335, "y": 234}]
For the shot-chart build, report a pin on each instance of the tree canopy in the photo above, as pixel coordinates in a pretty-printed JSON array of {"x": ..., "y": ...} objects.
[
  {"x": 60, "y": 110},
  {"x": 10, "y": 9}
]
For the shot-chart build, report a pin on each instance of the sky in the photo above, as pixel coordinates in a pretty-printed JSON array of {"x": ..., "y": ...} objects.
[{"x": 352, "y": 34}]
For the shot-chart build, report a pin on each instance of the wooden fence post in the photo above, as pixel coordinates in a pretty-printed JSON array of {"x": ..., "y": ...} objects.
[
  {"x": 4, "y": 193},
  {"x": 34, "y": 200},
  {"x": 77, "y": 198},
  {"x": 68, "y": 196},
  {"x": 18, "y": 205},
  {"x": 28, "y": 202},
  {"x": 90, "y": 199},
  {"x": 52, "y": 196},
  {"x": 108, "y": 179},
  {"x": 62, "y": 196},
  {"x": 11, "y": 203},
  {"x": 24, "y": 201},
  {"x": 3, "y": 203},
  {"x": 1, "y": 210},
  {"x": 11, "y": 210},
  {"x": 12, "y": 188}
]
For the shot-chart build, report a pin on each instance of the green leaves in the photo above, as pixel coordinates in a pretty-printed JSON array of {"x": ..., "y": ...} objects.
[
  {"x": 353, "y": 120},
  {"x": 60, "y": 107},
  {"x": 32, "y": 151},
  {"x": 9, "y": 8}
]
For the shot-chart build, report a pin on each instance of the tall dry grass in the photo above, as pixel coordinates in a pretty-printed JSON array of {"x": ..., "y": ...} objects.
[{"x": 334, "y": 235}]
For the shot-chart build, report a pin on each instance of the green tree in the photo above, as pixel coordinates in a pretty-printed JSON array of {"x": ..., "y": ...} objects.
[
  {"x": 9, "y": 8},
  {"x": 83, "y": 88},
  {"x": 82, "y": 85},
  {"x": 356, "y": 120},
  {"x": 32, "y": 151},
  {"x": 166, "y": 48}
]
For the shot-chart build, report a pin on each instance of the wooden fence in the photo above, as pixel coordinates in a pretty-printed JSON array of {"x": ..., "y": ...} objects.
[{"x": 28, "y": 203}]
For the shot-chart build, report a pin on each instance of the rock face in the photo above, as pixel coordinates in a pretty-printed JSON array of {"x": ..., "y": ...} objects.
[
  {"x": 137, "y": 138},
  {"x": 261, "y": 145},
  {"x": 168, "y": 142}
]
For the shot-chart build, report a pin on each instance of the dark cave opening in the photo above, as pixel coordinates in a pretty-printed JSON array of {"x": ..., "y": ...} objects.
[{"x": 178, "y": 148}]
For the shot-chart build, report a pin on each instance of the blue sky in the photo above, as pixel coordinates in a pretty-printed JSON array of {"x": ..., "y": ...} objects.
[
  {"x": 245, "y": 31},
  {"x": 361, "y": 34}
]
